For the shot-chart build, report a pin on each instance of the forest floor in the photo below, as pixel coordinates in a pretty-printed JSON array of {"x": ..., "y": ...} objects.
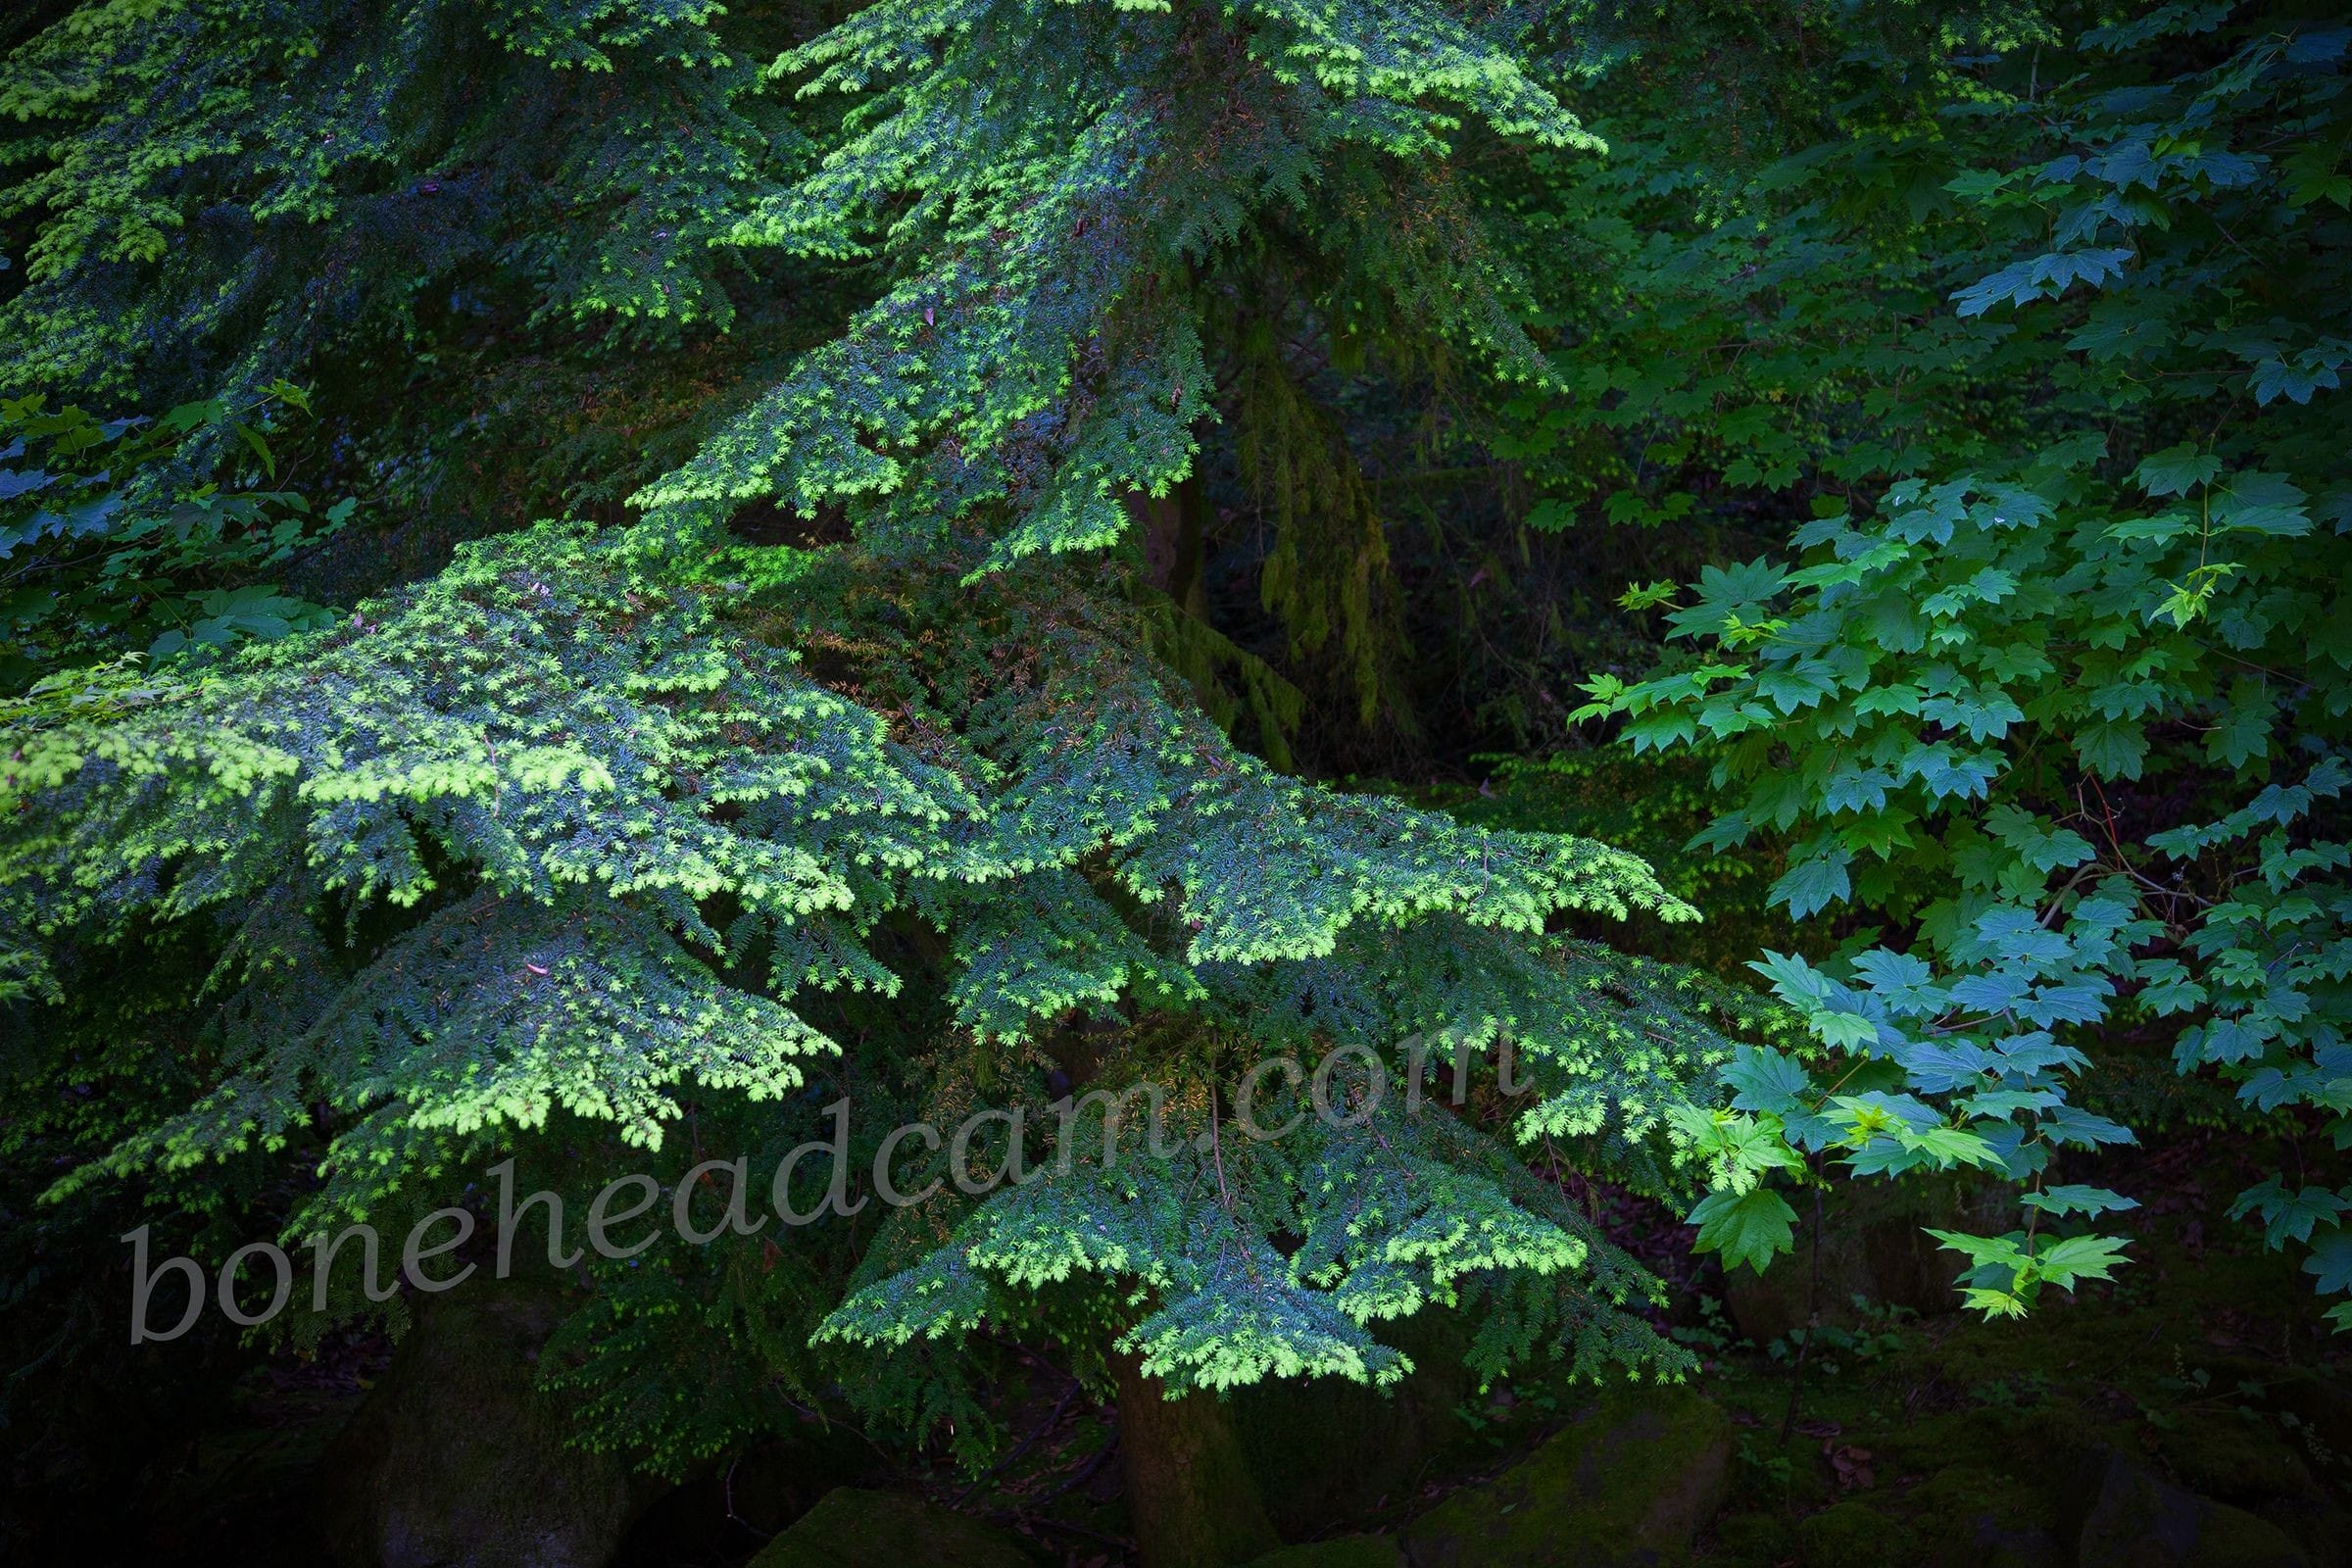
[
  {"x": 1937, "y": 1438},
  {"x": 2204, "y": 1369}
]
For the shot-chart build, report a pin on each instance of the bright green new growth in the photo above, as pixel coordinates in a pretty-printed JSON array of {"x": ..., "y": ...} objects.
[
  {"x": 567, "y": 833},
  {"x": 563, "y": 768}
]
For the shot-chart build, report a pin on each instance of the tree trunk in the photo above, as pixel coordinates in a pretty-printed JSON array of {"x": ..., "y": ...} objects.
[{"x": 1191, "y": 1498}]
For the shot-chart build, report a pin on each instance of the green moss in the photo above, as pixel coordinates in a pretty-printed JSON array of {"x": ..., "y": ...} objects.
[
  {"x": 1961, "y": 1517},
  {"x": 1986, "y": 1516},
  {"x": 2040, "y": 1440},
  {"x": 2233, "y": 1456},
  {"x": 1762, "y": 1540},
  {"x": 851, "y": 1528},
  {"x": 1349, "y": 1551},
  {"x": 2134, "y": 1517},
  {"x": 2231, "y": 1538},
  {"x": 1854, "y": 1535},
  {"x": 1633, "y": 1477}
]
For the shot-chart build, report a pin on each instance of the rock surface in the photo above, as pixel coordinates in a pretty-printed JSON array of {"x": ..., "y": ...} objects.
[
  {"x": 852, "y": 1527},
  {"x": 453, "y": 1460},
  {"x": 1632, "y": 1480}
]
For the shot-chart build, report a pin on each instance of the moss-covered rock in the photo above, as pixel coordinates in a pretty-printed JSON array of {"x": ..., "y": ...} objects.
[
  {"x": 1982, "y": 1517},
  {"x": 1761, "y": 1539},
  {"x": 2132, "y": 1518},
  {"x": 851, "y": 1528},
  {"x": 2322, "y": 1528},
  {"x": 2235, "y": 1456},
  {"x": 1854, "y": 1535},
  {"x": 2037, "y": 1448},
  {"x": 1347, "y": 1551},
  {"x": 1960, "y": 1515},
  {"x": 2231, "y": 1538},
  {"x": 455, "y": 1460},
  {"x": 1631, "y": 1478}
]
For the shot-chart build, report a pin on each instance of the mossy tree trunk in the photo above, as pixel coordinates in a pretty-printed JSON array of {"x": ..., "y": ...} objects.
[{"x": 1189, "y": 1491}]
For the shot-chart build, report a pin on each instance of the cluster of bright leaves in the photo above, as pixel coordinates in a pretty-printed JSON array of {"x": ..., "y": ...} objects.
[{"x": 2067, "y": 721}]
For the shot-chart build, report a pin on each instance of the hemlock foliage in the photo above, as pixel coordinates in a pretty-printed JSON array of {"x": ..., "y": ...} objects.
[
  {"x": 597, "y": 822},
  {"x": 872, "y": 519}
]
